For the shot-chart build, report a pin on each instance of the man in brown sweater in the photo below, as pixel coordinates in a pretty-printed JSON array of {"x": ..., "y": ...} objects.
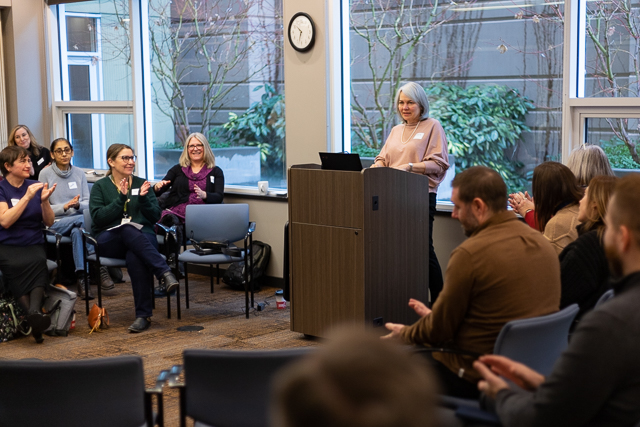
[{"x": 504, "y": 271}]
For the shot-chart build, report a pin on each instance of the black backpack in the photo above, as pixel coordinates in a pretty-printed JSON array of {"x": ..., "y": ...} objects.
[{"x": 234, "y": 276}]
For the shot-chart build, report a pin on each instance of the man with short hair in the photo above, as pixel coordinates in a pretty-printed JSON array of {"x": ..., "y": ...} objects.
[
  {"x": 596, "y": 381},
  {"x": 505, "y": 270}
]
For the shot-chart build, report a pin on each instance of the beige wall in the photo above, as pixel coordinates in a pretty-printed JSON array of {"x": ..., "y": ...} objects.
[
  {"x": 306, "y": 87},
  {"x": 25, "y": 67}
]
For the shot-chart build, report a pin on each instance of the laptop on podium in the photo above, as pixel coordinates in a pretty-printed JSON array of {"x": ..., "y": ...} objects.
[{"x": 341, "y": 161}]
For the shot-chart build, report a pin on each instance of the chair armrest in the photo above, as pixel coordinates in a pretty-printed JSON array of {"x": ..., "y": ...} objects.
[
  {"x": 53, "y": 233},
  {"x": 252, "y": 227},
  {"x": 87, "y": 236}
]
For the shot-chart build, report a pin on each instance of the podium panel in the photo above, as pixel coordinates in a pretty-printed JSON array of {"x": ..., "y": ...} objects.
[{"x": 359, "y": 247}]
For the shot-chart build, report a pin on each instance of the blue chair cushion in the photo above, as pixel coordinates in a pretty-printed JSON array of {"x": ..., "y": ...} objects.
[{"x": 192, "y": 258}]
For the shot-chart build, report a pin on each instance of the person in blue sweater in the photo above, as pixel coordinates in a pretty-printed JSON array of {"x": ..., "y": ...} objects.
[{"x": 68, "y": 204}]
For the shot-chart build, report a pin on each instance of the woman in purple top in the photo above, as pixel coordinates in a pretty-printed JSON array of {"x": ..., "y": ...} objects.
[
  {"x": 194, "y": 180},
  {"x": 24, "y": 208}
]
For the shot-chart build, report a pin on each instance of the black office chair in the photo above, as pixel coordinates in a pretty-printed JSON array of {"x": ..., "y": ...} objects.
[
  {"x": 226, "y": 388},
  {"x": 95, "y": 392}
]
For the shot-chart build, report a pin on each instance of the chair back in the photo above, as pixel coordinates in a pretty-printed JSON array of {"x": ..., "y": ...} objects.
[
  {"x": 96, "y": 392},
  {"x": 221, "y": 221},
  {"x": 605, "y": 297},
  {"x": 225, "y": 388},
  {"x": 537, "y": 342}
]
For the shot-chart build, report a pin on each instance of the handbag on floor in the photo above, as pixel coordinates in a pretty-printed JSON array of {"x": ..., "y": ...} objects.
[
  {"x": 12, "y": 319},
  {"x": 61, "y": 312},
  {"x": 98, "y": 318}
]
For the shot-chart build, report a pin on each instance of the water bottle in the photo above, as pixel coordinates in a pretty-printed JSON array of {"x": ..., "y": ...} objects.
[{"x": 280, "y": 302}]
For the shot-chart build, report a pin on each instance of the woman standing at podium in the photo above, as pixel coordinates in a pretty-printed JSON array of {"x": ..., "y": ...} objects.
[{"x": 418, "y": 145}]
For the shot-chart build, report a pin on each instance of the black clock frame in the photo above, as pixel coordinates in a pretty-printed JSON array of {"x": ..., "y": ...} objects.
[{"x": 313, "y": 32}]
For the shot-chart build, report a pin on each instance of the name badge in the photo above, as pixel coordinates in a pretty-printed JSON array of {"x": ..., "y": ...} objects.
[
  {"x": 419, "y": 135},
  {"x": 125, "y": 220},
  {"x": 213, "y": 179},
  {"x": 135, "y": 191},
  {"x": 73, "y": 185},
  {"x": 41, "y": 161},
  {"x": 14, "y": 202}
]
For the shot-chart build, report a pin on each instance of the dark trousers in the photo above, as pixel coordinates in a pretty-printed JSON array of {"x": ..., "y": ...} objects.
[
  {"x": 450, "y": 383},
  {"x": 435, "y": 272},
  {"x": 142, "y": 258}
]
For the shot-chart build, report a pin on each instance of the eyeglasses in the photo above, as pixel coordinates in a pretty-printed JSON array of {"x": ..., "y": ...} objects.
[
  {"x": 195, "y": 147},
  {"x": 128, "y": 159},
  {"x": 61, "y": 151}
]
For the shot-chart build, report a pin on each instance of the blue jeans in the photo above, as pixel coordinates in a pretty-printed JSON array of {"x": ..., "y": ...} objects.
[
  {"x": 140, "y": 250},
  {"x": 69, "y": 226}
]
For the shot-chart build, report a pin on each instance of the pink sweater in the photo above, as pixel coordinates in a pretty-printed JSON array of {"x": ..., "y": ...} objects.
[{"x": 427, "y": 144}]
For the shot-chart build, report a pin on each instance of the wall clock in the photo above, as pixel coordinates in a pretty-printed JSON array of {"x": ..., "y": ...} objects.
[{"x": 302, "y": 32}]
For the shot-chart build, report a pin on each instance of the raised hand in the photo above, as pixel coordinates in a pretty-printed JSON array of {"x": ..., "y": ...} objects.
[
  {"x": 33, "y": 189},
  {"x": 123, "y": 186},
  {"x": 47, "y": 192},
  {"x": 161, "y": 184},
  {"x": 395, "y": 328},
  {"x": 199, "y": 192},
  {"x": 521, "y": 375},
  {"x": 144, "y": 188},
  {"x": 419, "y": 307}
]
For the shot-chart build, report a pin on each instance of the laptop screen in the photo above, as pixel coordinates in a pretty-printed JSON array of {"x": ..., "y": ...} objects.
[{"x": 341, "y": 161}]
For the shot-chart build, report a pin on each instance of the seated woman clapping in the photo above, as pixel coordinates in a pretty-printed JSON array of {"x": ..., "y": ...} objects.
[
  {"x": 68, "y": 203},
  {"x": 124, "y": 212},
  {"x": 194, "y": 180},
  {"x": 24, "y": 209},
  {"x": 557, "y": 195}
]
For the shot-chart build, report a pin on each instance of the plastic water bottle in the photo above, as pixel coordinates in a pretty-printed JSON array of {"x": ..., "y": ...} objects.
[{"x": 280, "y": 301}]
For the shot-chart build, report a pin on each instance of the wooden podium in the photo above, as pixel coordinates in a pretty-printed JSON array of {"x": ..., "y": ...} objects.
[{"x": 358, "y": 245}]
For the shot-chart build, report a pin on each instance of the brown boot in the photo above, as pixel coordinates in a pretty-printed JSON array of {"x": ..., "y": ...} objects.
[{"x": 106, "y": 283}]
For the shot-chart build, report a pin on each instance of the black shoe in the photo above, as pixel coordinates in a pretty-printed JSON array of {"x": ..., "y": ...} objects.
[
  {"x": 80, "y": 289},
  {"x": 39, "y": 323},
  {"x": 160, "y": 291},
  {"x": 38, "y": 337},
  {"x": 141, "y": 324},
  {"x": 169, "y": 282}
]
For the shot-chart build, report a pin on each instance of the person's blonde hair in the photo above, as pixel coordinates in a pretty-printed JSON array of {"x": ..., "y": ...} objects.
[
  {"x": 599, "y": 192},
  {"x": 209, "y": 157},
  {"x": 588, "y": 161},
  {"x": 35, "y": 148}
]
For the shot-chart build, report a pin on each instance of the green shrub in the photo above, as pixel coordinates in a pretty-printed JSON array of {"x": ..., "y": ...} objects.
[
  {"x": 481, "y": 124},
  {"x": 618, "y": 154},
  {"x": 262, "y": 125}
]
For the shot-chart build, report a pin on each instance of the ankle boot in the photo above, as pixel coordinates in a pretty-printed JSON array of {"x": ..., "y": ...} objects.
[{"x": 80, "y": 289}]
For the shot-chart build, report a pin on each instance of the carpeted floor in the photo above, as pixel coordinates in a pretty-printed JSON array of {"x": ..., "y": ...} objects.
[{"x": 221, "y": 314}]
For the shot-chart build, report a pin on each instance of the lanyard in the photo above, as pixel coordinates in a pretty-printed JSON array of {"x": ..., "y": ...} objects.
[{"x": 128, "y": 195}]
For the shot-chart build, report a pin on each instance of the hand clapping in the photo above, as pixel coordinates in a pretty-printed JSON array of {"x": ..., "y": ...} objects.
[
  {"x": 46, "y": 191},
  {"x": 199, "y": 192}
]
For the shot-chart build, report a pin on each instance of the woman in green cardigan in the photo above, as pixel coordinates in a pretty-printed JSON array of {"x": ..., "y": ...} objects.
[{"x": 124, "y": 212}]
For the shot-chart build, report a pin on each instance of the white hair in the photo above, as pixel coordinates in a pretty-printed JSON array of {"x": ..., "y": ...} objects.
[{"x": 416, "y": 93}]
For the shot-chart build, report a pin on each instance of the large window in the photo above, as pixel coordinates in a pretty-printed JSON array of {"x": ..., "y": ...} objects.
[
  {"x": 492, "y": 70},
  {"x": 155, "y": 71}
]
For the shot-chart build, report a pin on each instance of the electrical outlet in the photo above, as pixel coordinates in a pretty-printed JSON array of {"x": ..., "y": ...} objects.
[{"x": 260, "y": 306}]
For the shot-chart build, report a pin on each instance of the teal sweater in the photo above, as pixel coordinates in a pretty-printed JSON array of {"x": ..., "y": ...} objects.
[{"x": 106, "y": 205}]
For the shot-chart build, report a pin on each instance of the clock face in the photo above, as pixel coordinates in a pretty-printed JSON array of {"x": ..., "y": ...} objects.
[{"x": 301, "y": 32}]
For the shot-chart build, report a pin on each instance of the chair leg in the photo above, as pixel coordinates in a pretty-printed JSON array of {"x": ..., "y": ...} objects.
[
  {"x": 169, "y": 305},
  {"x": 211, "y": 276},
  {"x": 178, "y": 302},
  {"x": 186, "y": 284},
  {"x": 218, "y": 273},
  {"x": 153, "y": 294},
  {"x": 98, "y": 286},
  {"x": 86, "y": 285}
]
